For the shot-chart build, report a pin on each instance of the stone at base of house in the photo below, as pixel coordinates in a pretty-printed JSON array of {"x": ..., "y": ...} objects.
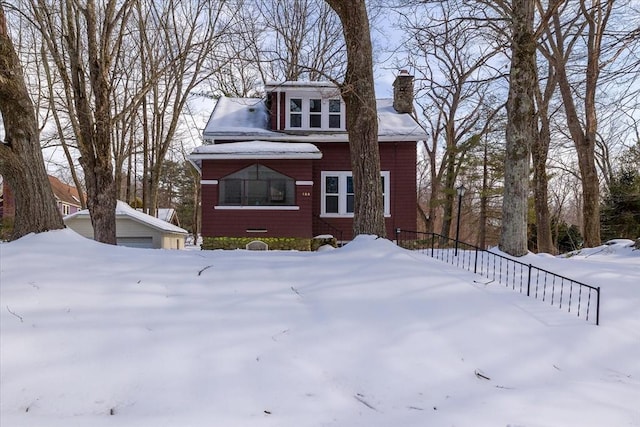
[
  {"x": 272, "y": 243},
  {"x": 323, "y": 240}
]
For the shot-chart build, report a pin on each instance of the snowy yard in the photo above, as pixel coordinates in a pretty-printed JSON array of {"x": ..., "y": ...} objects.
[{"x": 366, "y": 335}]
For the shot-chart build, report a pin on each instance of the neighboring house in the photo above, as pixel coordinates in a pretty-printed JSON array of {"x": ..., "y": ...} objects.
[
  {"x": 133, "y": 229},
  {"x": 168, "y": 214},
  {"x": 67, "y": 198},
  {"x": 279, "y": 167}
]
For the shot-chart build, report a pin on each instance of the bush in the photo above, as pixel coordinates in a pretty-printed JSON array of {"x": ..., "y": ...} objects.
[{"x": 275, "y": 243}]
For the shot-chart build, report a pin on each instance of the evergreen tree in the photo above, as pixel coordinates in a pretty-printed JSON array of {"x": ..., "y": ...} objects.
[{"x": 621, "y": 205}]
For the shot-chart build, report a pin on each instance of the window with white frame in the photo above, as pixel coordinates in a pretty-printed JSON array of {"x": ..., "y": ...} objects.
[
  {"x": 307, "y": 112},
  {"x": 315, "y": 113},
  {"x": 335, "y": 114},
  {"x": 295, "y": 112},
  {"x": 338, "y": 194},
  {"x": 257, "y": 185}
]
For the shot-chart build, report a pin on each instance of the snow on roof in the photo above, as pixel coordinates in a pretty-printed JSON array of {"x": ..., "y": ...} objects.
[
  {"x": 400, "y": 126},
  {"x": 276, "y": 84},
  {"x": 258, "y": 150},
  {"x": 238, "y": 119},
  {"x": 123, "y": 209},
  {"x": 166, "y": 214}
]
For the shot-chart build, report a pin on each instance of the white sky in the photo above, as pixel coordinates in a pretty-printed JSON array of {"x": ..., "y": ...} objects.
[{"x": 366, "y": 335}]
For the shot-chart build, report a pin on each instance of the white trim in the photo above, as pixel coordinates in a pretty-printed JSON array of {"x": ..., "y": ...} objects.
[
  {"x": 304, "y": 182},
  {"x": 257, "y": 156},
  {"x": 348, "y": 215},
  {"x": 208, "y": 182},
  {"x": 257, "y": 208},
  {"x": 342, "y": 194},
  {"x": 305, "y": 123}
]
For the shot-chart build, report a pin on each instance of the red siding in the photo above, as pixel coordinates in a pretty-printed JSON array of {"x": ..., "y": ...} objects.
[
  {"x": 398, "y": 158},
  {"x": 273, "y": 105},
  {"x": 236, "y": 222},
  {"x": 283, "y": 110}
]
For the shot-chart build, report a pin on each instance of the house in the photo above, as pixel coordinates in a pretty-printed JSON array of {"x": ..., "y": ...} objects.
[
  {"x": 67, "y": 198},
  {"x": 169, "y": 215},
  {"x": 133, "y": 229},
  {"x": 278, "y": 170}
]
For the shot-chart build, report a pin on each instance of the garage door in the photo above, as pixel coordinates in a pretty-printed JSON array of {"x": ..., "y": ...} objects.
[{"x": 135, "y": 242}]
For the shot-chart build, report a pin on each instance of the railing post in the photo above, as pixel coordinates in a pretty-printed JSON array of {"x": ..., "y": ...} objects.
[
  {"x": 598, "y": 308},
  {"x": 529, "y": 282},
  {"x": 433, "y": 236},
  {"x": 475, "y": 262}
]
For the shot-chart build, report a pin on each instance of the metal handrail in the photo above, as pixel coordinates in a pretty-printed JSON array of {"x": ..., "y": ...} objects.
[
  {"x": 536, "y": 282},
  {"x": 336, "y": 232}
]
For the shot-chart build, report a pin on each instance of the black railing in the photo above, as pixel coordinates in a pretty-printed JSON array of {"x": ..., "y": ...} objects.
[
  {"x": 323, "y": 227},
  {"x": 568, "y": 294}
]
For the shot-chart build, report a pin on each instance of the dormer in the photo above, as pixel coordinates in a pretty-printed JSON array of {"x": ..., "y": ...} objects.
[{"x": 305, "y": 107}]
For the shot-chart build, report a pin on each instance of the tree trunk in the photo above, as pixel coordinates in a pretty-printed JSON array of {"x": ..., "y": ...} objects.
[
  {"x": 21, "y": 161},
  {"x": 596, "y": 14},
  {"x": 362, "y": 119},
  {"x": 540, "y": 153},
  {"x": 482, "y": 232},
  {"x": 95, "y": 129},
  {"x": 520, "y": 130},
  {"x": 448, "y": 188}
]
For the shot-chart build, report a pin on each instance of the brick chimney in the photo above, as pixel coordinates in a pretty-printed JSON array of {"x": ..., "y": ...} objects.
[{"x": 403, "y": 92}]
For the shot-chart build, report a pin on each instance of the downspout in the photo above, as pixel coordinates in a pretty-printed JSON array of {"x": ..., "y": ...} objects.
[
  {"x": 395, "y": 184},
  {"x": 277, "y": 110}
]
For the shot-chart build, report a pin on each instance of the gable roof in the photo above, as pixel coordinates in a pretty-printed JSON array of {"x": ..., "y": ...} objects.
[
  {"x": 239, "y": 119},
  {"x": 124, "y": 210},
  {"x": 65, "y": 193},
  {"x": 167, "y": 214}
]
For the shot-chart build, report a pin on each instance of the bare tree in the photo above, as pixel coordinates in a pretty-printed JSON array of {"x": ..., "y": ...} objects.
[
  {"x": 539, "y": 154},
  {"x": 305, "y": 40},
  {"x": 185, "y": 36},
  {"x": 21, "y": 161},
  {"x": 84, "y": 41},
  {"x": 455, "y": 64},
  {"x": 362, "y": 120},
  {"x": 586, "y": 22},
  {"x": 521, "y": 127}
]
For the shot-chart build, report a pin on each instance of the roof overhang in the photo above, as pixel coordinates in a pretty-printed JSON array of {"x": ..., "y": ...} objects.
[{"x": 258, "y": 150}]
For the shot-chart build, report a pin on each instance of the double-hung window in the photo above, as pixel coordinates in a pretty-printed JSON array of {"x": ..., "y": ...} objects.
[
  {"x": 315, "y": 113},
  {"x": 335, "y": 114},
  {"x": 295, "y": 112},
  {"x": 338, "y": 193}
]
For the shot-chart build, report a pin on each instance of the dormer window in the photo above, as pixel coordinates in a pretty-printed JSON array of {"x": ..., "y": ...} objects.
[
  {"x": 335, "y": 114},
  {"x": 295, "y": 112},
  {"x": 309, "y": 112},
  {"x": 315, "y": 113}
]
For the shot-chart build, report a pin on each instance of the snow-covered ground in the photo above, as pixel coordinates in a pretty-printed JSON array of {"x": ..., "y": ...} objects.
[{"x": 366, "y": 335}]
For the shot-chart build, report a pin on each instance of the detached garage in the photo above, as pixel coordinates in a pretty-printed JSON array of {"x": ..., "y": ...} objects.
[{"x": 133, "y": 229}]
